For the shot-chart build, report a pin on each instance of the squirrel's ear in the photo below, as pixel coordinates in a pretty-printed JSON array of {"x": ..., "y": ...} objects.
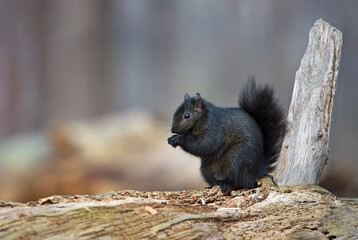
[
  {"x": 198, "y": 103},
  {"x": 186, "y": 97}
]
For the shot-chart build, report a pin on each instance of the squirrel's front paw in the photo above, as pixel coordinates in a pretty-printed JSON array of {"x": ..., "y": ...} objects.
[{"x": 175, "y": 140}]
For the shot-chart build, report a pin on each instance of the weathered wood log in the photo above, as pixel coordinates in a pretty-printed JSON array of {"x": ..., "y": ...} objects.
[
  {"x": 267, "y": 212},
  {"x": 304, "y": 151}
]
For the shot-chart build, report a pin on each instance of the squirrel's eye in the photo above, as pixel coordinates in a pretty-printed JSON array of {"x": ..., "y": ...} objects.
[{"x": 186, "y": 115}]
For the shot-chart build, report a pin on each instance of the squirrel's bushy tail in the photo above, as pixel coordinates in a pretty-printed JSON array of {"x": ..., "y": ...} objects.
[{"x": 262, "y": 104}]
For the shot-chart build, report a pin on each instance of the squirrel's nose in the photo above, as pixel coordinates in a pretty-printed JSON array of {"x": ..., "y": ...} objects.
[{"x": 174, "y": 130}]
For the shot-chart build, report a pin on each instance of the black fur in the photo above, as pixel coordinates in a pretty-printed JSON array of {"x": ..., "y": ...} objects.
[
  {"x": 237, "y": 146},
  {"x": 262, "y": 104}
]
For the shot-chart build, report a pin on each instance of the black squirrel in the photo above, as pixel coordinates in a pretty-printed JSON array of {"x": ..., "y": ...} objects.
[{"x": 237, "y": 146}]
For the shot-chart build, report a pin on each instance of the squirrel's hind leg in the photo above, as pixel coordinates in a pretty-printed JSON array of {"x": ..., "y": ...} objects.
[{"x": 225, "y": 187}]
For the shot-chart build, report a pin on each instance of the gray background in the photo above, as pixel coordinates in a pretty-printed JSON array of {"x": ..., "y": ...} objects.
[{"x": 76, "y": 60}]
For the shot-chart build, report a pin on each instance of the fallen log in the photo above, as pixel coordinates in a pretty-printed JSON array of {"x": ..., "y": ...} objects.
[{"x": 270, "y": 212}]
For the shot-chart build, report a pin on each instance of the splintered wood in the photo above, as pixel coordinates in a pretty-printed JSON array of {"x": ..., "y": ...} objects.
[{"x": 304, "y": 150}]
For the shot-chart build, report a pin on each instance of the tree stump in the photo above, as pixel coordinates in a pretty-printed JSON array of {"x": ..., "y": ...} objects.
[{"x": 304, "y": 151}]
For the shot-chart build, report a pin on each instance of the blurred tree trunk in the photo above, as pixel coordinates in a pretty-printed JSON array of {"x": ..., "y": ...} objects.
[
  {"x": 74, "y": 59},
  {"x": 21, "y": 92},
  {"x": 52, "y": 62}
]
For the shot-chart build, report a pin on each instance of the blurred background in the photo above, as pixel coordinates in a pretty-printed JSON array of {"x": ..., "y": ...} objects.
[{"x": 88, "y": 87}]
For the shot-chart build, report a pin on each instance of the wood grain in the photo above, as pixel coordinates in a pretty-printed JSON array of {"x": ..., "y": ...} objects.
[
  {"x": 267, "y": 212},
  {"x": 304, "y": 151}
]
